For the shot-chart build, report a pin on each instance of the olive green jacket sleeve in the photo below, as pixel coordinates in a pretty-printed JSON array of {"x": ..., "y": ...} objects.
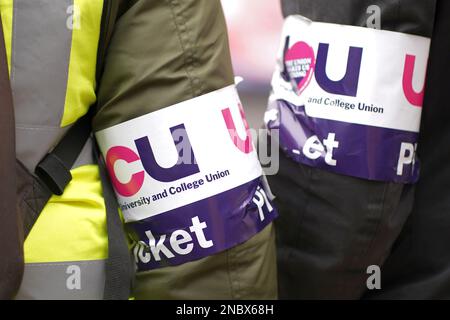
[{"x": 161, "y": 53}]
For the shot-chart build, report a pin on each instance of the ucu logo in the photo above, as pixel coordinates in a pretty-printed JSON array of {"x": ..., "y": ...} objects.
[
  {"x": 300, "y": 63},
  {"x": 185, "y": 166}
]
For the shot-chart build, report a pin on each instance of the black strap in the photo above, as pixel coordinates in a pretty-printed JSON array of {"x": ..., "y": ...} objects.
[
  {"x": 54, "y": 169},
  {"x": 119, "y": 268}
]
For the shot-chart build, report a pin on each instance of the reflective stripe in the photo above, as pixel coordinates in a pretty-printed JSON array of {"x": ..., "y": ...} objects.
[
  {"x": 87, "y": 15},
  {"x": 6, "y": 8},
  {"x": 63, "y": 281},
  {"x": 40, "y": 60},
  {"x": 53, "y": 78},
  {"x": 33, "y": 143}
]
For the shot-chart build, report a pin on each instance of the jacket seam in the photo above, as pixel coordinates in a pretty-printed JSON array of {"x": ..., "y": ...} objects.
[{"x": 188, "y": 50}]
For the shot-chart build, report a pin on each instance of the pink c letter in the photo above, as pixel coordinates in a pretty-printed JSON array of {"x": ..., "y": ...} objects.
[{"x": 134, "y": 185}]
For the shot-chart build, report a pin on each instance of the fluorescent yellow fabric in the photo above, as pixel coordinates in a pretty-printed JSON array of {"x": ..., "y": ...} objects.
[
  {"x": 72, "y": 227},
  {"x": 80, "y": 95},
  {"x": 6, "y": 9}
]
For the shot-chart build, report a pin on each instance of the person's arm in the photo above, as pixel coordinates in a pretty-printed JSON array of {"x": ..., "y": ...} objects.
[
  {"x": 347, "y": 100},
  {"x": 173, "y": 133}
]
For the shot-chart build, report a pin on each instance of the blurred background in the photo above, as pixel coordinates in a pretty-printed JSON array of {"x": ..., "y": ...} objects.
[{"x": 254, "y": 28}]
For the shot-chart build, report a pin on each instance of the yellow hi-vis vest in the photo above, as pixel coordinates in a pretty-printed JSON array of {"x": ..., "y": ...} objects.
[{"x": 52, "y": 54}]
